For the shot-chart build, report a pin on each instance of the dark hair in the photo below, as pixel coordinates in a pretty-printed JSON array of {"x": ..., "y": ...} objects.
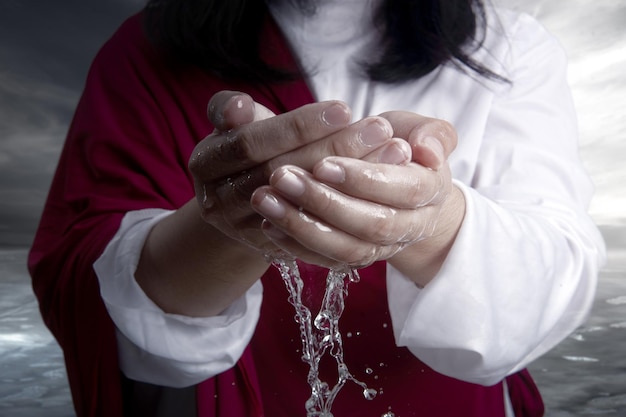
[{"x": 221, "y": 36}]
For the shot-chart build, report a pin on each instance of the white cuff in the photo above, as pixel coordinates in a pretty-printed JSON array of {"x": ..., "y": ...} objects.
[
  {"x": 161, "y": 348},
  {"x": 497, "y": 303}
]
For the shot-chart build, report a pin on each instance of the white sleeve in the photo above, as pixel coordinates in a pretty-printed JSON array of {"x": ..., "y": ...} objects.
[
  {"x": 522, "y": 272},
  {"x": 160, "y": 348}
]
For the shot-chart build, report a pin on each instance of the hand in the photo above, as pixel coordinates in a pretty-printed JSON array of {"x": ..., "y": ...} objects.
[
  {"x": 249, "y": 143},
  {"x": 354, "y": 212}
]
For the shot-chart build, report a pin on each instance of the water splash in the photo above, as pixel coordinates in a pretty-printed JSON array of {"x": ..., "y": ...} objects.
[{"x": 321, "y": 335}]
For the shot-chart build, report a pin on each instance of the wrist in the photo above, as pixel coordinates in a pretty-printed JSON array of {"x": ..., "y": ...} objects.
[
  {"x": 188, "y": 267},
  {"x": 422, "y": 260}
]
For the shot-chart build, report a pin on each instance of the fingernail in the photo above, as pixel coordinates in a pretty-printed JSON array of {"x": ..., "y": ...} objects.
[
  {"x": 336, "y": 115},
  {"x": 434, "y": 145},
  {"x": 236, "y": 110},
  {"x": 374, "y": 133},
  {"x": 397, "y": 154},
  {"x": 270, "y": 207},
  {"x": 330, "y": 172},
  {"x": 290, "y": 184}
]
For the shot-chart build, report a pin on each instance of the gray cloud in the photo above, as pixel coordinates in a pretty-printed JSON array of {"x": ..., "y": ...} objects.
[{"x": 593, "y": 36}]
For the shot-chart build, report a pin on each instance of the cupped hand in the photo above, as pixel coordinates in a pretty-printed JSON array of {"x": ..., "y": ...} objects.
[
  {"x": 355, "y": 212},
  {"x": 249, "y": 143}
]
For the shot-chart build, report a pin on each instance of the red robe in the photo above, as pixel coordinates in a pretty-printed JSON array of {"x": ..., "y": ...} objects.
[{"x": 127, "y": 149}]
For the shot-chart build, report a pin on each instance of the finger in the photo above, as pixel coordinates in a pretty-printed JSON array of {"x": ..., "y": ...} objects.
[
  {"x": 396, "y": 152},
  {"x": 432, "y": 140},
  {"x": 325, "y": 246},
  {"x": 402, "y": 186},
  {"x": 355, "y": 141},
  {"x": 361, "y": 138},
  {"x": 293, "y": 192},
  {"x": 248, "y": 145},
  {"x": 229, "y": 109},
  {"x": 291, "y": 248}
]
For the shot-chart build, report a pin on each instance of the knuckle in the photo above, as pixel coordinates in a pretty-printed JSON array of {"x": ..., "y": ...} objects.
[
  {"x": 300, "y": 128},
  {"x": 415, "y": 232},
  {"x": 240, "y": 147},
  {"x": 437, "y": 192},
  {"x": 194, "y": 163},
  {"x": 414, "y": 196},
  {"x": 319, "y": 206},
  {"x": 385, "y": 228},
  {"x": 341, "y": 147},
  {"x": 219, "y": 155},
  {"x": 444, "y": 130},
  {"x": 440, "y": 125},
  {"x": 198, "y": 156}
]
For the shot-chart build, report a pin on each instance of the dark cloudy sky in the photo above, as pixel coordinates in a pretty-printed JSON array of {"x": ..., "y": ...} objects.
[
  {"x": 45, "y": 50},
  {"x": 46, "y": 47}
]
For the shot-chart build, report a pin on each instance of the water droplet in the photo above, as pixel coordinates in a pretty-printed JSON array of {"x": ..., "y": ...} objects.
[
  {"x": 349, "y": 334},
  {"x": 354, "y": 275},
  {"x": 369, "y": 393},
  {"x": 388, "y": 414},
  {"x": 384, "y": 325},
  {"x": 310, "y": 404},
  {"x": 369, "y": 371}
]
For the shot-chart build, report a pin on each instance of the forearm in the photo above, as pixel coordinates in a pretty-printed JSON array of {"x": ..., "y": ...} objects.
[{"x": 188, "y": 267}]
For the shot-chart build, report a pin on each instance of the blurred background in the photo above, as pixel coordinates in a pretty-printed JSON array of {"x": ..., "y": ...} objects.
[{"x": 45, "y": 51}]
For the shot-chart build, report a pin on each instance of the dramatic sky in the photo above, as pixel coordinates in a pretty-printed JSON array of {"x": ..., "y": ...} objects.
[{"x": 46, "y": 47}]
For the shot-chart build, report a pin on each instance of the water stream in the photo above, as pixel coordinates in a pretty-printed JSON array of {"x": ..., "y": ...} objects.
[{"x": 321, "y": 335}]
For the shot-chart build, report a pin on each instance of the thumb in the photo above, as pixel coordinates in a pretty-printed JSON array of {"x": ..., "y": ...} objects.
[{"x": 229, "y": 109}]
